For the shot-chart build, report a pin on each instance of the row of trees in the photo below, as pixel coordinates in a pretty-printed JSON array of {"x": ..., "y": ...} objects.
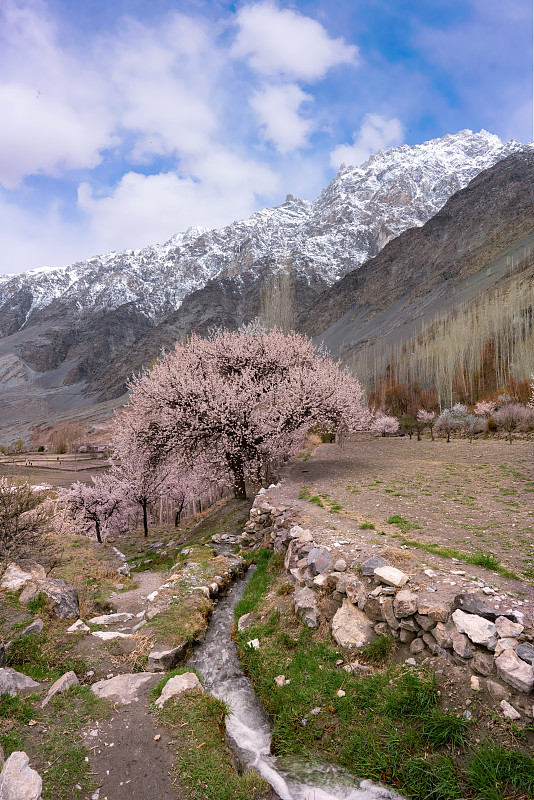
[
  {"x": 464, "y": 354},
  {"x": 485, "y": 415},
  {"x": 225, "y": 410}
]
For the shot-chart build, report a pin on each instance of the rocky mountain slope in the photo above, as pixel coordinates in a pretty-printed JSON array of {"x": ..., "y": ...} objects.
[
  {"x": 72, "y": 336},
  {"x": 482, "y": 237}
]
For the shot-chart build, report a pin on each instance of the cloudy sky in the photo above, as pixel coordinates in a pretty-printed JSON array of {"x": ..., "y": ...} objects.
[{"x": 125, "y": 122}]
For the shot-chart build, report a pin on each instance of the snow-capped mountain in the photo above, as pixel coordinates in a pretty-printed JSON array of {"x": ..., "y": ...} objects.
[{"x": 352, "y": 219}]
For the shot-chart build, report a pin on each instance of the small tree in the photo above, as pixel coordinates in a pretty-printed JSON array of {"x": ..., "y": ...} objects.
[
  {"x": 407, "y": 424},
  {"x": 424, "y": 419},
  {"x": 509, "y": 416},
  {"x": 99, "y": 506},
  {"x": 474, "y": 423},
  {"x": 24, "y": 519},
  {"x": 384, "y": 424},
  {"x": 484, "y": 408}
]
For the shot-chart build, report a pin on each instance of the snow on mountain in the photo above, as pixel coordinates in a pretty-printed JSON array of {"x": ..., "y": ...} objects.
[{"x": 353, "y": 218}]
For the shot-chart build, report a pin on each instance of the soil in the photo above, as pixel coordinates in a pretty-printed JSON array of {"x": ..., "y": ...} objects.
[
  {"x": 470, "y": 497},
  {"x": 132, "y": 756}
]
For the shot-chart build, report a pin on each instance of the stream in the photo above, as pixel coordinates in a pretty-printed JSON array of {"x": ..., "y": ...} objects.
[{"x": 248, "y": 725}]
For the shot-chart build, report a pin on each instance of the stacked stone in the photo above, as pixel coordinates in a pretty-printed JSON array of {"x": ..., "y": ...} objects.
[
  {"x": 493, "y": 643},
  {"x": 265, "y": 522}
]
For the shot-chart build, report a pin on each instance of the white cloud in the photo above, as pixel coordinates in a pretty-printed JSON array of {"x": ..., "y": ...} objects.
[
  {"x": 52, "y": 115},
  {"x": 145, "y": 209},
  {"x": 375, "y": 133},
  {"x": 283, "y": 42},
  {"x": 277, "y": 108}
]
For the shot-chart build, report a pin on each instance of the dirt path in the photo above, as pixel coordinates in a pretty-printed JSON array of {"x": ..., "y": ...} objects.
[
  {"x": 128, "y": 761},
  {"x": 131, "y": 755},
  {"x": 135, "y": 600}
]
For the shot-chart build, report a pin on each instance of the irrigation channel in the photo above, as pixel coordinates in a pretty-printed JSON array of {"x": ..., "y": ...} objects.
[{"x": 248, "y": 726}]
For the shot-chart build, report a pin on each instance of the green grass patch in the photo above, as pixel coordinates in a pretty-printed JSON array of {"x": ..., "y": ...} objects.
[
  {"x": 204, "y": 766},
  {"x": 387, "y": 725},
  {"x": 404, "y": 524},
  {"x": 45, "y": 656},
  {"x": 367, "y": 526},
  {"x": 264, "y": 577}
]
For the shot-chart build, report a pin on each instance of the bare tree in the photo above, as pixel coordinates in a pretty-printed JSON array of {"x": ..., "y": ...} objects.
[{"x": 24, "y": 520}]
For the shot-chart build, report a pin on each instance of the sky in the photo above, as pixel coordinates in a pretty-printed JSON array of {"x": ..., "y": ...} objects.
[{"x": 125, "y": 122}]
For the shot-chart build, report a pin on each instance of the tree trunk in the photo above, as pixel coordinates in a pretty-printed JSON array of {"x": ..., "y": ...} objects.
[
  {"x": 240, "y": 489},
  {"x": 98, "y": 536},
  {"x": 432, "y": 434},
  {"x": 145, "y": 519},
  {"x": 418, "y": 435}
]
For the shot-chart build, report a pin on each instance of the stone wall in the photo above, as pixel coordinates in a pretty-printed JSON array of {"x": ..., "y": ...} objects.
[{"x": 491, "y": 640}]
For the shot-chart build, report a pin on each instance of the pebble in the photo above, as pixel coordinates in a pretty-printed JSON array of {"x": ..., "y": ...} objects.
[{"x": 340, "y": 693}]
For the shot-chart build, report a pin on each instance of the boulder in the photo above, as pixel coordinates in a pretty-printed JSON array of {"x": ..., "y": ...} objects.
[
  {"x": 319, "y": 560},
  {"x": 461, "y": 645},
  {"x": 497, "y": 691},
  {"x": 18, "y": 781},
  {"x": 443, "y": 634},
  {"x": 64, "y": 598},
  {"x": 176, "y": 686},
  {"x": 61, "y": 685},
  {"x": 391, "y": 576},
  {"x": 406, "y": 637},
  {"x": 417, "y": 646},
  {"x": 405, "y": 604},
  {"x": 78, "y": 627},
  {"x": 15, "y": 577},
  {"x": 306, "y": 606},
  {"x": 14, "y": 683},
  {"x": 166, "y": 659},
  {"x": 34, "y": 627},
  {"x": 505, "y": 644},
  {"x": 525, "y": 651},
  {"x": 482, "y": 663},
  {"x": 508, "y": 629},
  {"x": 368, "y": 567},
  {"x": 424, "y": 622},
  {"x": 125, "y": 689},
  {"x": 439, "y": 612},
  {"x": 475, "y": 604},
  {"x": 514, "y": 671},
  {"x": 340, "y": 565},
  {"x": 509, "y": 711},
  {"x": 111, "y": 619},
  {"x": 351, "y": 628},
  {"x": 373, "y": 609},
  {"x": 479, "y": 630}
]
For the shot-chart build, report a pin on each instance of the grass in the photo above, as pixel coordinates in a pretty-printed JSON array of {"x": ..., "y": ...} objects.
[
  {"x": 367, "y": 526},
  {"x": 204, "y": 765},
  {"x": 479, "y": 558},
  {"x": 45, "y": 656},
  {"x": 404, "y": 524},
  {"x": 266, "y": 574},
  {"x": 59, "y": 757},
  {"x": 389, "y": 725}
]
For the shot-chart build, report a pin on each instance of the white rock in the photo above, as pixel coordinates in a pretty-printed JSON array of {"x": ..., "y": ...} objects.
[
  {"x": 391, "y": 576},
  {"x": 509, "y": 711},
  {"x": 178, "y": 685},
  {"x": 352, "y": 628},
  {"x": 508, "y": 629},
  {"x": 61, "y": 685},
  {"x": 280, "y": 680},
  {"x": 18, "y": 781},
  {"x": 514, "y": 671},
  {"x": 111, "y": 619},
  {"x": 14, "y": 576},
  {"x": 124, "y": 689},
  {"x": 478, "y": 629},
  {"x": 78, "y": 627},
  {"x": 254, "y": 644},
  {"x": 14, "y": 683},
  {"x": 505, "y": 644},
  {"x": 108, "y": 636}
]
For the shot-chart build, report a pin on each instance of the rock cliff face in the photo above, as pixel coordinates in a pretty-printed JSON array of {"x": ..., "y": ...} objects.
[{"x": 71, "y": 336}]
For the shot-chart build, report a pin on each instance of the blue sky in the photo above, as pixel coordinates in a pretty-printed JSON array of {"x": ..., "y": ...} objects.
[{"x": 125, "y": 122}]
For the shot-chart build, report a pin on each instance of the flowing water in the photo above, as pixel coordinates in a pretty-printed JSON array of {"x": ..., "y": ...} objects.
[{"x": 248, "y": 725}]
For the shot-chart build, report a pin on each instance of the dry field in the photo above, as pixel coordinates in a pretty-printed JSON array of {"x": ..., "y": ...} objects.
[{"x": 472, "y": 498}]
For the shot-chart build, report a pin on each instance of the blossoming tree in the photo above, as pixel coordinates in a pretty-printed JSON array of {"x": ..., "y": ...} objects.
[{"x": 238, "y": 400}]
